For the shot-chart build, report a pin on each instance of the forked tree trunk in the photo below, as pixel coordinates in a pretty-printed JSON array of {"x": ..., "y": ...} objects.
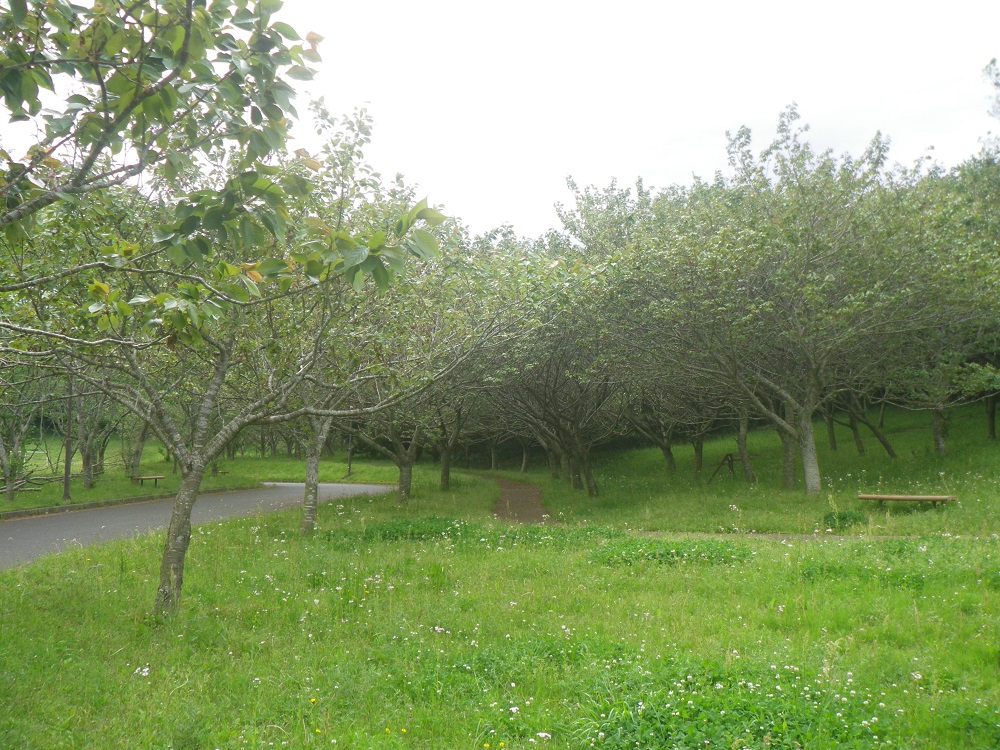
[
  {"x": 178, "y": 538},
  {"x": 405, "y": 479},
  {"x": 939, "y": 429},
  {"x": 741, "y": 446},
  {"x": 807, "y": 451}
]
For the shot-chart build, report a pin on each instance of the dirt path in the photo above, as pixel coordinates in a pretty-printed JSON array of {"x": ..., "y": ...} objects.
[{"x": 520, "y": 503}]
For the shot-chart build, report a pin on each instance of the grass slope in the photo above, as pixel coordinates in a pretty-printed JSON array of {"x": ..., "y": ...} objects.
[
  {"x": 637, "y": 492},
  {"x": 434, "y": 627}
]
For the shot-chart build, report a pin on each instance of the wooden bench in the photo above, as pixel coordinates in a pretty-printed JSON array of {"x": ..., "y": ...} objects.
[
  {"x": 155, "y": 478},
  {"x": 934, "y": 499}
]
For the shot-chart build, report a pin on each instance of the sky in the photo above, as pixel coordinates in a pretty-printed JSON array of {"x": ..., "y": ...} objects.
[{"x": 488, "y": 106}]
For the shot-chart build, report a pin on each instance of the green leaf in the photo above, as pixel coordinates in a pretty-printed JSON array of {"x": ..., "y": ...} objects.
[
  {"x": 314, "y": 269},
  {"x": 272, "y": 266},
  {"x": 19, "y": 10},
  {"x": 380, "y": 275},
  {"x": 251, "y": 287},
  {"x": 432, "y": 217},
  {"x": 300, "y": 73},
  {"x": 286, "y": 31},
  {"x": 424, "y": 244},
  {"x": 354, "y": 256}
]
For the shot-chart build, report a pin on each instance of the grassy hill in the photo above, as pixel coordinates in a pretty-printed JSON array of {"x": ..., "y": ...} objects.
[{"x": 435, "y": 627}]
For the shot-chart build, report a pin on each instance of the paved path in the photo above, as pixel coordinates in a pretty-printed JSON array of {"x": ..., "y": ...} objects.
[{"x": 25, "y": 539}]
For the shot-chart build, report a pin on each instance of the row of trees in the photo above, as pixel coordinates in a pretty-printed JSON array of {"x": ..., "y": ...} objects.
[{"x": 166, "y": 256}]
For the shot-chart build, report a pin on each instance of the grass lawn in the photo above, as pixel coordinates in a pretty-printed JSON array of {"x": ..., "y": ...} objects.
[
  {"x": 246, "y": 471},
  {"x": 433, "y": 626}
]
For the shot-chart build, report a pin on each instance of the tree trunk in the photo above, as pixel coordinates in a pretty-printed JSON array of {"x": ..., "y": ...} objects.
[
  {"x": 565, "y": 469},
  {"x": 9, "y": 472},
  {"x": 405, "y": 479},
  {"x": 939, "y": 429},
  {"x": 807, "y": 451},
  {"x": 699, "y": 454},
  {"x": 310, "y": 501},
  {"x": 133, "y": 454},
  {"x": 876, "y": 430},
  {"x": 741, "y": 445},
  {"x": 68, "y": 445},
  {"x": 102, "y": 447},
  {"x": 574, "y": 473},
  {"x": 87, "y": 457},
  {"x": 67, "y": 467},
  {"x": 553, "y": 463},
  {"x": 445, "y": 467},
  {"x": 168, "y": 593},
  {"x": 831, "y": 434},
  {"x": 787, "y": 460},
  {"x": 588, "y": 475},
  {"x": 668, "y": 455},
  {"x": 494, "y": 455},
  {"x": 525, "y": 452},
  {"x": 991, "y": 417},
  {"x": 858, "y": 442}
]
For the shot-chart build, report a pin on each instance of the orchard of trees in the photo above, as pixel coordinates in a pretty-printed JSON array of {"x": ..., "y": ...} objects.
[{"x": 171, "y": 271}]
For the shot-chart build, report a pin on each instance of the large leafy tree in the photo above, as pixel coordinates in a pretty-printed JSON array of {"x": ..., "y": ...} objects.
[
  {"x": 177, "y": 316},
  {"x": 140, "y": 84}
]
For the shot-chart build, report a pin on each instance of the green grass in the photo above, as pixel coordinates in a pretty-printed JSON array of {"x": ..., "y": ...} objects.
[
  {"x": 637, "y": 492},
  {"x": 245, "y": 471},
  {"x": 467, "y": 633}
]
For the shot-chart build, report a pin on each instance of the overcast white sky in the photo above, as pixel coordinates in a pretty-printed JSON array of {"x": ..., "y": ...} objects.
[{"x": 488, "y": 106}]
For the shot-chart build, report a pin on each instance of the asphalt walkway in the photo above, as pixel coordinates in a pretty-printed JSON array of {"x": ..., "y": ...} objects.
[{"x": 25, "y": 539}]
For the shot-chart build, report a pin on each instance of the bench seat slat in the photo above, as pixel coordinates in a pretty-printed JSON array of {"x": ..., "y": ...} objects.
[{"x": 913, "y": 498}]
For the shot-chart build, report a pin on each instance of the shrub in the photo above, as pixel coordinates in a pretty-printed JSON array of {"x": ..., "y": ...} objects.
[{"x": 841, "y": 519}]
